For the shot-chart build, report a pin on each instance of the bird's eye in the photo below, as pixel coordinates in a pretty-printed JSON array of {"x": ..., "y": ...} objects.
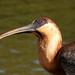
[{"x": 41, "y": 21}]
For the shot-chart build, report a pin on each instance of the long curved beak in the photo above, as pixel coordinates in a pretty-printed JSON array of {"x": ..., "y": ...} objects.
[{"x": 25, "y": 29}]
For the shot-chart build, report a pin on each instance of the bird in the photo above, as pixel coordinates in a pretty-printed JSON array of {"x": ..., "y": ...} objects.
[{"x": 54, "y": 57}]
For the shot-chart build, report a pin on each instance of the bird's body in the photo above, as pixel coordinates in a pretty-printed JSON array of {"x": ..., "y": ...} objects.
[
  {"x": 67, "y": 58},
  {"x": 55, "y": 58}
]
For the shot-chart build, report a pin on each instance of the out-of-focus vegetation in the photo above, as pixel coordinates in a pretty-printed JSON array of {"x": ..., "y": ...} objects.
[{"x": 16, "y": 13}]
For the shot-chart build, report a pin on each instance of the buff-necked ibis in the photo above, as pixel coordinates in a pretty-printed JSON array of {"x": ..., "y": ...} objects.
[{"x": 55, "y": 58}]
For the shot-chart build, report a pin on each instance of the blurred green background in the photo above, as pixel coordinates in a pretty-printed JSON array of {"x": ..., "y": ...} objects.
[{"x": 18, "y": 53}]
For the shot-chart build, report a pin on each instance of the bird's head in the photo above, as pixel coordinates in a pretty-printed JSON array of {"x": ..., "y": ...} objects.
[{"x": 40, "y": 27}]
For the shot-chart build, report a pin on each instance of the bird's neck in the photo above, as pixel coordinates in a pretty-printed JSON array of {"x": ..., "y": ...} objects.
[{"x": 48, "y": 49}]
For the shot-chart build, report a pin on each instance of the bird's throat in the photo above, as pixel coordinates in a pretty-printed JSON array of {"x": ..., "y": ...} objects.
[{"x": 48, "y": 49}]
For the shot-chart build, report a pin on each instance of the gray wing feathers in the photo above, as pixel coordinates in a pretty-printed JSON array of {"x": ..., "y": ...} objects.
[{"x": 68, "y": 58}]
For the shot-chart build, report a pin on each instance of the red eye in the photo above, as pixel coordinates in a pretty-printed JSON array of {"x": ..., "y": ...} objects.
[{"x": 41, "y": 21}]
